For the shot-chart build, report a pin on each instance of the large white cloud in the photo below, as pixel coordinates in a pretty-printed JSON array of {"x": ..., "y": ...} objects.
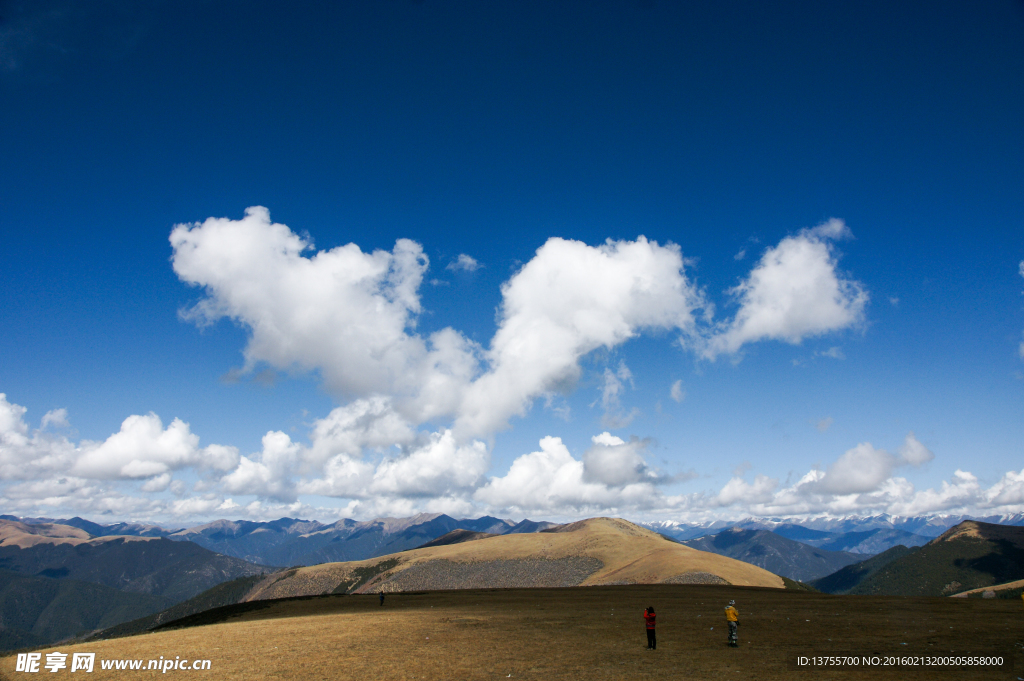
[
  {"x": 351, "y": 315},
  {"x": 611, "y": 477},
  {"x": 143, "y": 448},
  {"x": 794, "y": 292},
  {"x": 343, "y": 312},
  {"x": 569, "y": 300}
]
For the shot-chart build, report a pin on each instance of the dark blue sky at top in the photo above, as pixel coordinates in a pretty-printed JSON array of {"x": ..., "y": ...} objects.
[{"x": 485, "y": 128}]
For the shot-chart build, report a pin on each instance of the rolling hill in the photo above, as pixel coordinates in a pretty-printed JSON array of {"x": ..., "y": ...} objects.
[
  {"x": 971, "y": 555},
  {"x": 775, "y": 553},
  {"x": 599, "y": 551},
  {"x": 589, "y": 552}
]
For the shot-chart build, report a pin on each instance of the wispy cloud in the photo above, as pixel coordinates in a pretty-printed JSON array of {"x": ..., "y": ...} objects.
[
  {"x": 464, "y": 263},
  {"x": 676, "y": 392},
  {"x": 834, "y": 352}
]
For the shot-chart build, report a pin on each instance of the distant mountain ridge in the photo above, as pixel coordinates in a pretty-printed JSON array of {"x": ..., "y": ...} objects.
[
  {"x": 926, "y": 526},
  {"x": 775, "y": 553},
  {"x": 57, "y": 580},
  {"x": 303, "y": 542}
]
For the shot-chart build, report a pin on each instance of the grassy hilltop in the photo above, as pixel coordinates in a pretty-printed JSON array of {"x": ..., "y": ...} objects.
[{"x": 580, "y": 633}]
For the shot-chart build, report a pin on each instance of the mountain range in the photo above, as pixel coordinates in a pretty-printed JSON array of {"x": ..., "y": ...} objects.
[
  {"x": 57, "y": 580},
  {"x": 924, "y": 526},
  {"x": 775, "y": 553}
]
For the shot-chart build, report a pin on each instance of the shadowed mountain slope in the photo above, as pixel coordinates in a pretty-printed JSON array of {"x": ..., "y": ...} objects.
[
  {"x": 971, "y": 555},
  {"x": 156, "y": 566},
  {"x": 774, "y": 553},
  {"x": 847, "y": 578},
  {"x": 37, "y": 610},
  {"x": 456, "y": 537}
]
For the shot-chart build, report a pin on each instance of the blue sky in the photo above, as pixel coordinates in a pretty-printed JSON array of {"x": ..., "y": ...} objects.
[{"x": 726, "y": 135}]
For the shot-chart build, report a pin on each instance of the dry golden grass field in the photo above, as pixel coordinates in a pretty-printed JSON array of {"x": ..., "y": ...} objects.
[{"x": 577, "y": 633}]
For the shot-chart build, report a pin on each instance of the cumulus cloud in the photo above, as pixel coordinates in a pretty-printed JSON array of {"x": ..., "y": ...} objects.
[
  {"x": 351, "y": 315},
  {"x": 566, "y": 302},
  {"x": 861, "y": 480},
  {"x": 350, "y": 457},
  {"x": 612, "y": 475},
  {"x": 794, "y": 292},
  {"x": 144, "y": 448},
  {"x": 739, "y": 490},
  {"x": 342, "y": 312},
  {"x": 464, "y": 263}
]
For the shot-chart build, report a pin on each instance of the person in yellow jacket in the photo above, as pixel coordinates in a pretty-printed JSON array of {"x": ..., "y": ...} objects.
[{"x": 732, "y": 617}]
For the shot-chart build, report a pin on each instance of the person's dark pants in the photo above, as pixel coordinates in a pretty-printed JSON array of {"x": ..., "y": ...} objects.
[
  {"x": 733, "y": 633},
  {"x": 652, "y": 643}
]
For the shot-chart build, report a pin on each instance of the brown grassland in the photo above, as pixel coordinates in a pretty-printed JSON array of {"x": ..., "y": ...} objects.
[
  {"x": 579, "y": 633},
  {"x": 619, "y": 552}
]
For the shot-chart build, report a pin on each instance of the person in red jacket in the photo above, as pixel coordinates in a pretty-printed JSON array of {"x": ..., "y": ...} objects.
[{"x": 652, "y": 642}]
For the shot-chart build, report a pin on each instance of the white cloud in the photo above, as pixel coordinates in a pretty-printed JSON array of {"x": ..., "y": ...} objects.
[
  {"x": 834, "y": 352},
  {"x": 611, "y": 401},
  {"x": 824, "y": 424},
  {"x": 894, "y": 301},
  {"x": 144, "y": 448},
  {"x": 913, "y": 452},
  {"x": 794, "y": 292},
  {"x": 740, "y": 255},
  {"x": 271, "y": 473},
  {"x": 614, "y": 462},
  {"x": 464, "y": 263},
  {"x": 157, "y": 484},
  {"x": 569, "y": 300},
  {"x": 55, "y": 417},
  {"x": 342, "y": 312},
  {"x": 47, "y": 475},
  {"x": 611, "y": 476},
  {"x": 676, "y": 392},
  {"x": 739, "y": 490},
  {"x": 437, "y": 468},
  {"x": 350, "y": 315}
]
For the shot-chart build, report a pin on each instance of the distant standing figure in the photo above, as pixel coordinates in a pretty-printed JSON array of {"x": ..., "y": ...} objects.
[
  {"x": 652, "y": 642},
  {"x": 382, "y": 596},
  {"x": 732, "y": 616}
]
